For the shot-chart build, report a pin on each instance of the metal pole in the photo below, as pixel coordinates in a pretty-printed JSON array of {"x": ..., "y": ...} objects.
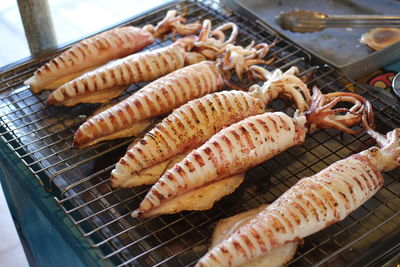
[{"x": 38, "y": 25}]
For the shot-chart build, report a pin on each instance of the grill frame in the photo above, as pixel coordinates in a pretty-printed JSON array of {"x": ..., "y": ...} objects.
[{"x": 102, "y": 214}]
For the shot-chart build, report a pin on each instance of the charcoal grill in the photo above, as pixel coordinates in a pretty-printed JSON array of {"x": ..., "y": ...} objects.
[{"x": 41, "y": 137}]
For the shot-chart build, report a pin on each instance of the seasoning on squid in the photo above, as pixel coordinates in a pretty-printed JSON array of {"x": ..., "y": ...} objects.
[
  {"x": 108, "y": 81},
  {"x": 277, "y": 257},
  {"x": 168, "y": 93},
  {"x": 312, "y": 204},
  {"x": 101, "y": 48},
  {"x": 190, "y": 125},
  {"x": 246, "y": 144}
]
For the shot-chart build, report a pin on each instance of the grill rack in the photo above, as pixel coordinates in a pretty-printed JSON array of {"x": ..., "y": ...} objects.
[{"x": 41, "y": 136}]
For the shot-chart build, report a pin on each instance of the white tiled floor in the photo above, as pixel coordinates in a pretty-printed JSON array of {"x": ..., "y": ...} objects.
[
  {"x": 72, "y": 19},
  {"x": 11, "y": 251}
]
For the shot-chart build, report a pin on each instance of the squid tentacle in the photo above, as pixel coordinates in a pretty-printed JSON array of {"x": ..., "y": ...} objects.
[
  {"x": 379, "y": 138},
  {"x": 172, "y": 23},
  {"x": 388, "y": 156},
  {"x": 240, "y": 59},
  {"x": 352, "y": 115},
  {"x": 218, "y": 32},
  {"x": 205, "y": 31},
  {"x": 264, "y": 48},
  {"x": 322, "y": 113},
  {"x": 285, "y": 84},
  {"x": 389, "y": 142},
  {"x": 211, "y": 43}
]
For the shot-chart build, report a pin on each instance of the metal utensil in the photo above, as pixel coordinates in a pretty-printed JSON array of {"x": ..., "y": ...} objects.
[
  {"x": 396, "y": 84},
  {"x": 298, "y": 20}
]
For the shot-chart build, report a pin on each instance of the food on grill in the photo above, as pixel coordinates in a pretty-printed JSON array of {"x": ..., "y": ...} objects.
[
  {"x": 248, "y": 143},
  {"x": 192, "y": 124},
  {"x": 311, "y": 204},
  {"x": 167, "y": 93},
  {"x": 276, "y": 257},
  {"x": 101, "y": 48},
  {"x": 204, "y": 197},
  {"x": 151, "y": 174},
  {"x": 380, "y": 38},
  {"x": 108, "y": 81},
  {"x": 186, "y": 128}
]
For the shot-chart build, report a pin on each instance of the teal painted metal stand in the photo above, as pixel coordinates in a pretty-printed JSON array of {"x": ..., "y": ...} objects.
[{"x": 53, "y": 239}]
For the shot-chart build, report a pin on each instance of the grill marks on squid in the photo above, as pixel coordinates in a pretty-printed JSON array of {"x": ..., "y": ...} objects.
[
  {"x": 92, "y": 52},
  {"x": 158, "y": 97},
  {"x": 187, "y": 127},
  {"x": 309, "y": 206},
  {"x": 234, "y": 149},
  {"x": 136, "y": 68}
]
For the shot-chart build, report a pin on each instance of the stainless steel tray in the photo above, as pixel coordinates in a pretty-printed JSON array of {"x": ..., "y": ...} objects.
[
  {"x": 339, "y": 47},
  {"x": 41, "y": 137}
]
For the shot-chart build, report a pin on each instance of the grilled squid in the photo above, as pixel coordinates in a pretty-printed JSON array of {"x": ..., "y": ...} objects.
[
  {"x": 190, "y": 125},
  {"x": 276, "y": 257},
  {"x": 101, "y": 48},
  {"x": 165, "y": 94},
  {"x": 248, "y": 143},
  {"x": 312, "y": 204},
  {"x": 108, "y": 81}
]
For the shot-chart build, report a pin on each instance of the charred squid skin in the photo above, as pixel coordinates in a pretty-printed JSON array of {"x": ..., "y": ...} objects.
[
  {"x": 232, "y": 150},
  {"x": 90, "y": 52},
  {"x": 167, "y": 93},
  {"x": 187, "y": 127},
  {"x": 192, "y": 124},
  {"x": 277, "y": 257},
  {"x": 101, "y": 48},
  {"x": 157, "y": 98},
  {"x": 141, "y": 67},
  {"x": 309, "y": 206},
  {"x": 313, "y": 203},
  {"x": 108, "y": 81},
  {"x": 247, "y": 143}
]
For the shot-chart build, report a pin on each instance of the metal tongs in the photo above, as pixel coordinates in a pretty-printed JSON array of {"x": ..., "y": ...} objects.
[{"x": 298, "y": 20}]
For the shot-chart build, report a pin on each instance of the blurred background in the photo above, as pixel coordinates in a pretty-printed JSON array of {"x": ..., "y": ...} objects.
[{"x": 72, "y": 20}]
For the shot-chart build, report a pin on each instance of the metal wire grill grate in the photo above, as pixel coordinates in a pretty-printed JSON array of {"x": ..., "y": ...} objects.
[{"x": 41, "y": 136}]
